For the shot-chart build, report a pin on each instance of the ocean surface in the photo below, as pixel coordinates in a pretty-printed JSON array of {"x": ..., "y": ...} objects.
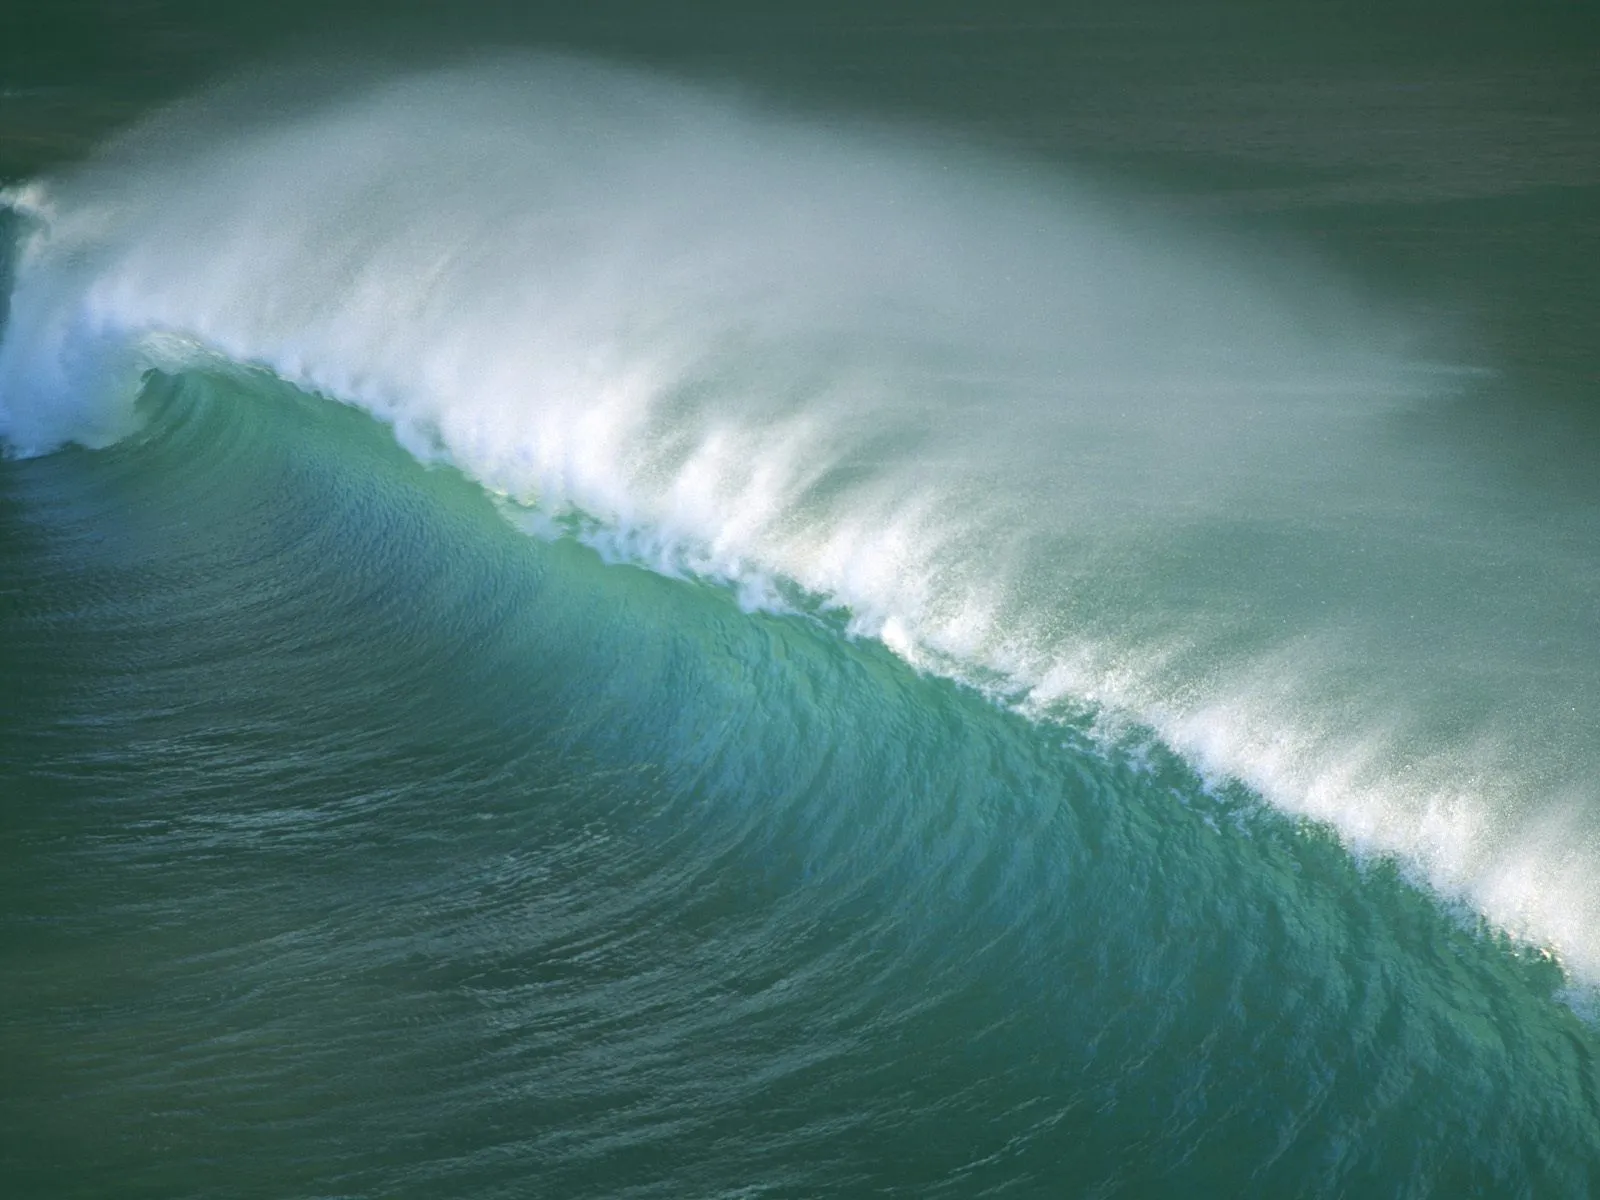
[{"x": 727, "y": 601}]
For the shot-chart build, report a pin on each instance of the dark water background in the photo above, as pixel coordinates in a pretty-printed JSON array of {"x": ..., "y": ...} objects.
[{"x": 353, "y": 843}]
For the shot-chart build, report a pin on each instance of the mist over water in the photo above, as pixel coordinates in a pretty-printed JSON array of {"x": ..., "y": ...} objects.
[{"x": 999, "y": 421}]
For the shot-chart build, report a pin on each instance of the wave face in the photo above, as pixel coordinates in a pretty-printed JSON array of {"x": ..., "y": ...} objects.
[
  {"x": 358, "y": 844},
  {"x": 429, "y": 858}
]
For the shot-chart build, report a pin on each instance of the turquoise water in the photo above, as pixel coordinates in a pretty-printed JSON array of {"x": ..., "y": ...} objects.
[
  {"x": 421, "y": 857},
  {"x": 569, "y": 632}
]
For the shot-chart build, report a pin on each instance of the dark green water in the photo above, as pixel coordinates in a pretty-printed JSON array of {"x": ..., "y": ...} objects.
[{"x": 965, "y": 604}]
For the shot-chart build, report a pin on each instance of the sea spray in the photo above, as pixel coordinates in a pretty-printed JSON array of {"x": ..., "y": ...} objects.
[{"x": 1014, "y": 432}]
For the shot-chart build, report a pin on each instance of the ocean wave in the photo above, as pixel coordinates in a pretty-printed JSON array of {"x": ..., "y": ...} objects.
[{"x": 1004, "y": 425}]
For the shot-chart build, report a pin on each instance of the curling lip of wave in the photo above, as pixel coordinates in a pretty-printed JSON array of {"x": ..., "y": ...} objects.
[{"x": 989, "y": 416}]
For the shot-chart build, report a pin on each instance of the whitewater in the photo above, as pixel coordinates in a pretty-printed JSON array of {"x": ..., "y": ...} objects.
[{"x": 1098, "y": 462}]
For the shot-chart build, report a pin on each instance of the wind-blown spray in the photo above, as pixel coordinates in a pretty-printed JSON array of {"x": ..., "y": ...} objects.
[{"x": 1021, "y": 437}]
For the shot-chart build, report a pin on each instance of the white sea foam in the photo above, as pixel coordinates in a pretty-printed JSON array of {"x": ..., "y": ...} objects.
[{"x": 1013, "y": 429}]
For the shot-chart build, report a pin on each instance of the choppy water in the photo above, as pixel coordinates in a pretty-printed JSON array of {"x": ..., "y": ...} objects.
[{"x": 573, "y": 633}]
